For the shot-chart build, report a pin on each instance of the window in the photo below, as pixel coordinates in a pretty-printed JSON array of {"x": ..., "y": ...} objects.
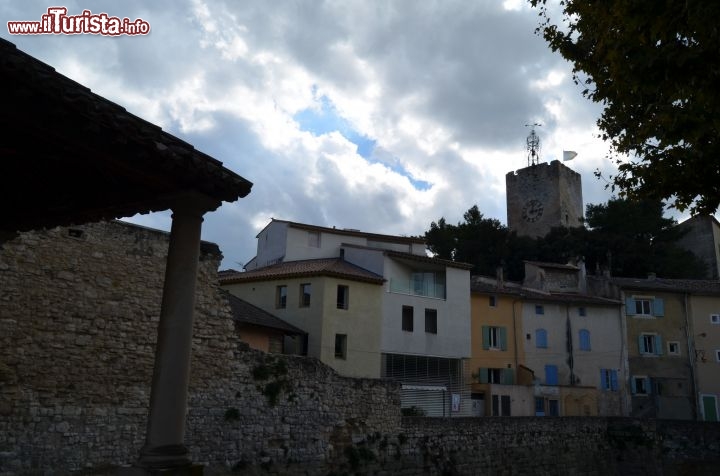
[
  {"x": 714, "y": 318},
  {"x": 551, "y": 375},
  {"x": 640, "y": 385},
  {"x": 498, "y": 376},
  {"x": 673, "y": 348},
  {"x": 501, "y": 405},
  {"x": 650, "y": 344},
  {"x": 608, "y": 380},
  {"x": 582, "y": 312},
  {"x": 407, "y": 318},
  {"x": 717, "y": 355},
  {"x": 431, "y": 321},
  {"x": 642, "y": 306},
  {"x": 584, "y": 339},
  {"x": 425, "y": 283},
  {"x": 343, "y": 295},
  {"x": 541, "y": 339},
  {"x": 645, "y": 307},
  {"x": 539, "y": 406},
  {"x": 305, "y": 292},
  {"x": 494, "y": 338},
  {"x": 492, "y": 301},
  {"x": 281, "y": 297},
  {"x": 314, "y": 239},
  {"x": 554, "y": 407},
  {"x": 340, "y": 346},
  {"x": 539, "y": 310}
]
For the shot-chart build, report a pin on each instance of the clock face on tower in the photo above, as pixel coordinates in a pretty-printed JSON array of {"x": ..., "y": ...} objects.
[{"x": 532, "y": 211}]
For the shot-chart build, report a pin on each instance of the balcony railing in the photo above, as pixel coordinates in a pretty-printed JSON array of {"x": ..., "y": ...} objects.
[{"x": 417, "y": 288}]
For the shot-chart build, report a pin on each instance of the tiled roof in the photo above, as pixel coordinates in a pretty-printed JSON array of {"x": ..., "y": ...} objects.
[
  {"x": 71, "y": 156},
  {"x": 692, "y": 286},
  {"x": 246, "y": 313},
  {"x": 542, "y": 264},
  {"x": 350, "y": 232},
  {"x": 484, "y": 285},
  {"x": 334, "y": 267}
]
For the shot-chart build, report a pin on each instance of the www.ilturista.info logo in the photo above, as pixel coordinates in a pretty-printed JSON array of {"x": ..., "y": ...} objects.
[{"x": 58, "y": 22}]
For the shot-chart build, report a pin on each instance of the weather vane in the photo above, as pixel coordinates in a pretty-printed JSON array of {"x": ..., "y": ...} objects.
[{"x": 533, "y": 145}]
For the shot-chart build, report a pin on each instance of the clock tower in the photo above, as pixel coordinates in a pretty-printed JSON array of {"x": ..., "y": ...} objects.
[{"x": 542, "y": 196}]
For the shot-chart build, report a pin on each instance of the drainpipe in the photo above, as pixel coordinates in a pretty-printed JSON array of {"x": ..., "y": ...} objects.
[
  {"x": 515, "y": 339},
  {"x": 691, "y": 356},
  {"x": 568, "y": 336}
]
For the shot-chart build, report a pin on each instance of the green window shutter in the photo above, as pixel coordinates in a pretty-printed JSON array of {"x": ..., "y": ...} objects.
[
  {"x": 629, "y": 306},
  {"x": 503, "y": 338},
  {"x": 507, "y": 376},
  {"x": 484, "y": 375},
  {"x": 486, "y": 337},
  {"x": 658, "y": 345},
  {"x": 658, "y": 309}
]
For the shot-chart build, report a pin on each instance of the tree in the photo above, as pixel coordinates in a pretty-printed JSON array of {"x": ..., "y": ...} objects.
[
  {"x": 478, "y": 240},
  {"x": 631, "y": 238},
  {"x": 655, "y": 67}
]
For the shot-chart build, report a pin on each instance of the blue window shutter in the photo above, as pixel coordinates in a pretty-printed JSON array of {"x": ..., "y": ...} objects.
[
  {"x": 541, "y": 338},
  {"x": 486, "y": 337},
  {"x": 603, "y": 379},
  {"x": 629, "y": 306},
  {"x": 584, "y": 339},
  {"x": 551, "y": 375},
  {"x": 640, "y": 344},
  {"x": 613, "y": 380},
  {"x": 503, "y": 338},
  {"x": 633, "y": 388},
  {"x": 658, "y": 345},
  {"x": 648, "y": 389},
  {"x": 483, "y": 375},
  {"x": 658, "y": 307}
]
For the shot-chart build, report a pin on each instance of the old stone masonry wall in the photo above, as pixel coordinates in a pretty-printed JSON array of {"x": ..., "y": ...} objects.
[
  {"x": 79, "y": 309},
  {"x": 78, "y": 314}
]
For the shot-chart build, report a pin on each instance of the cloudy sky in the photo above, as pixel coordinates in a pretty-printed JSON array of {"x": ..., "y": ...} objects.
[{"x": 379, "y": 115}]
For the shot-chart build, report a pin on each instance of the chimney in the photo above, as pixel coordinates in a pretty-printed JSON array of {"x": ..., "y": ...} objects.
[{"x": 499, "y": 276}]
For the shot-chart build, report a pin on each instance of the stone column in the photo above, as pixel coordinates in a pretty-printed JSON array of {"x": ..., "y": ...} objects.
[{"x": 164, "y": 448}]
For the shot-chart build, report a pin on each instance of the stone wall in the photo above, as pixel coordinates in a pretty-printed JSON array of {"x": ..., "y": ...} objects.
[
  {"x": 78, "y": 311},
  {"x": 78, "y": 314}
]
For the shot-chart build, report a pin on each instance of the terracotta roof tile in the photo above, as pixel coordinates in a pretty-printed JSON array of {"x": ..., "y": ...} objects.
[
  {"x": 246, "y": 313},
  {"x": 334, "y": 267},
  {"x": 693, "y": 286}
]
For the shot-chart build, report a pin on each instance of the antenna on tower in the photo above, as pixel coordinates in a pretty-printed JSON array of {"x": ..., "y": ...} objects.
[{"x": 533, "y": 145}]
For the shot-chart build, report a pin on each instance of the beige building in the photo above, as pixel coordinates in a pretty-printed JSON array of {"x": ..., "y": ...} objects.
[
  {"x": 546, "y": 347},
  {"x": 336, "y": 303},
  {"x": 705, "y": 313},
  {"x": 573, "y": 342},
  {"x": 673, "y": 331},
  {"x": 409, "y": 315},
  {"x": 501, "y": 385}
]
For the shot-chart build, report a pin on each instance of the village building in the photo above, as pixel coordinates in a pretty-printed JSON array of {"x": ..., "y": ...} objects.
[{"x": 372, "y": 305}]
